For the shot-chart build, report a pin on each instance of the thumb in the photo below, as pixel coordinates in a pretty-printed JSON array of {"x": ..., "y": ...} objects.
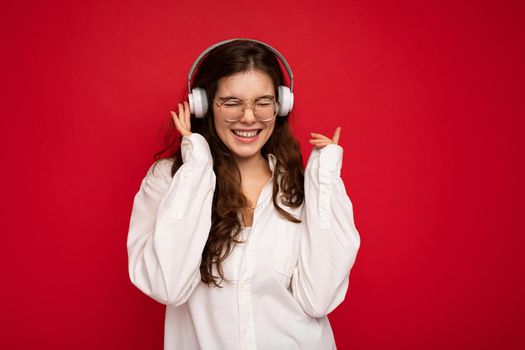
[{"x": 337, "y": 134}]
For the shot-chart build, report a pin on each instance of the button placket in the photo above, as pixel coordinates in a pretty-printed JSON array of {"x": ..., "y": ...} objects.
[
  {"x": 244, "y": 285},
  {"x": 244, "y": 281},
  {"x": 245, "y": 296}
]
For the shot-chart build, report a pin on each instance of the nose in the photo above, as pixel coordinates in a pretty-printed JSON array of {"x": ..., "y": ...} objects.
[{"x": 248, "y": 116}]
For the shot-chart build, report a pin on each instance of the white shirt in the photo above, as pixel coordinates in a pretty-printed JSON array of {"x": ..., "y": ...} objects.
[{"x": 286, "y": 277}]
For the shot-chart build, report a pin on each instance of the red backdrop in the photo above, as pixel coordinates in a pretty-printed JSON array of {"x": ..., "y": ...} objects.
[{"x": 430, "y": 99}]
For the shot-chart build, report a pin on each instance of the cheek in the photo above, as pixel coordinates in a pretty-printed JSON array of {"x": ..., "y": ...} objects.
[
  {"x": 271, "y": 129},
  {"x": 221, "y": 130}
]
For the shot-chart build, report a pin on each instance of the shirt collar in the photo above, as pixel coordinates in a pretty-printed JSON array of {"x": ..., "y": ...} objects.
[{"x": 272, "y": 161}]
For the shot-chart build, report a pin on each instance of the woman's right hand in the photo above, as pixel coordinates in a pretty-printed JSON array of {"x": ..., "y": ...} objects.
[{"x": 182, "y": 120}]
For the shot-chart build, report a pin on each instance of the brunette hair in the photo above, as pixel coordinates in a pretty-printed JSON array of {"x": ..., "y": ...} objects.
[{"x": 228, "y": 200}]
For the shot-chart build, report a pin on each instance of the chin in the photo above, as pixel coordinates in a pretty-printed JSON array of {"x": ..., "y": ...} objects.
[{"x": 245, "y": 153}]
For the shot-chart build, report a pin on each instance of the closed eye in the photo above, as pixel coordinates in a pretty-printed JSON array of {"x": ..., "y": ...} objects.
[{"x": 232, "y": 104}]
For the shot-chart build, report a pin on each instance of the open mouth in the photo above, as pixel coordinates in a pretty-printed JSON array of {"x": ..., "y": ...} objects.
[{"x": 247, "y": 134}]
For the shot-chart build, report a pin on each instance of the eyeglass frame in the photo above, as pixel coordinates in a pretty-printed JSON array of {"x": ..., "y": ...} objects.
[{"x": 245, "y": 104}]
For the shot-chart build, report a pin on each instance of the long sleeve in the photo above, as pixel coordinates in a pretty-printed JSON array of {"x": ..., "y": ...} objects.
[
  {"x": 170, "y": 224},
  {"x": 329, "y": 240}
]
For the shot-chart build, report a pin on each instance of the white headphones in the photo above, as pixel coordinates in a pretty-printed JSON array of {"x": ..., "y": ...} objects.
[{"x": 198, "y": 99}]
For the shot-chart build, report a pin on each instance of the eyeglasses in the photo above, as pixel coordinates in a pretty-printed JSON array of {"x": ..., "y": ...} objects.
[{"x": 232, "y": 109}]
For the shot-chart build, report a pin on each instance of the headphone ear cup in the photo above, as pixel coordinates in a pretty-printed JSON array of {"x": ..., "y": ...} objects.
[
  {"x": 198, "y": 101},
  {"x": 285, "y": 101}
]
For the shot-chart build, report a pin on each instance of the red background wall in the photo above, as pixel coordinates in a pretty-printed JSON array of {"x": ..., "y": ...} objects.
[{"x": 430, "y": 97}]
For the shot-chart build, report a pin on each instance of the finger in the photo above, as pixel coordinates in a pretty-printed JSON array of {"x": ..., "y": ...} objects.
[
  {"x": 314, "y": 134},
  {"x": 176, "y": 120},
  {"x": 187, "y": 114},
  {"x": 319, "y": 142},
  {"x": 173, "y": 115},
  {"x": 327, "y": 140},
  {"x": 319, "y": 145},
  {"x": 181, "y": 116},
  {"x": 337, "y": 134}
]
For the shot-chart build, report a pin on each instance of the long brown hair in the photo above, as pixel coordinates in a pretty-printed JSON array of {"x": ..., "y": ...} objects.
[{"x": 228, "y": 199}]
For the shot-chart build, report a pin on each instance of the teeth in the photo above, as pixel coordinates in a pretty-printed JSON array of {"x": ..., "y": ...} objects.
[{"x": 247, "y": 134}]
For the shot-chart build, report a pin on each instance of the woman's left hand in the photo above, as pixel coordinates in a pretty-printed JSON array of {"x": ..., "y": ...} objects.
[{"x": 320, "y": 141}]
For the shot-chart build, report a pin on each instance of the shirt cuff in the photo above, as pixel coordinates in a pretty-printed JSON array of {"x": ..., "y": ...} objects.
[
  {"x": 331, "y": 158},
  {"x": 330, "y": 163},
  {"x": 195, "y": 148}
]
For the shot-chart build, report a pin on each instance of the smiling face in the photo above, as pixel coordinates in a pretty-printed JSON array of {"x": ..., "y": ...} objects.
[{"x": 245, "y": 137}]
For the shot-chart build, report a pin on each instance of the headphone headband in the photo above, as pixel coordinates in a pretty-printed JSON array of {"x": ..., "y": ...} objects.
[{"x": 277, "y": 53}]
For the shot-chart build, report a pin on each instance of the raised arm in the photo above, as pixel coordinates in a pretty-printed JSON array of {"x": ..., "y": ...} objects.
[
  {"x": 170, "y": 223},
  {"x": 330, "y": 240}
]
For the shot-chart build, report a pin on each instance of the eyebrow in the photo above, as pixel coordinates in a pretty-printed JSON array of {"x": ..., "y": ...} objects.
[{"x": 237, "y": 98}]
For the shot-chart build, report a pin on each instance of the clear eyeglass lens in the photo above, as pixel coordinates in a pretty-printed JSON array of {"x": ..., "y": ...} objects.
[{"x": 264, "y": 109}]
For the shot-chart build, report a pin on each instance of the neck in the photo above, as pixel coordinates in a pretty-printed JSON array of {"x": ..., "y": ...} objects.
[{"x": 253, "y": 166}]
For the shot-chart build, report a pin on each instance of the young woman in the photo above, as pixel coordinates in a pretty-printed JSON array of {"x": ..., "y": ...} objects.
[{"x": 246, "y": 249}]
